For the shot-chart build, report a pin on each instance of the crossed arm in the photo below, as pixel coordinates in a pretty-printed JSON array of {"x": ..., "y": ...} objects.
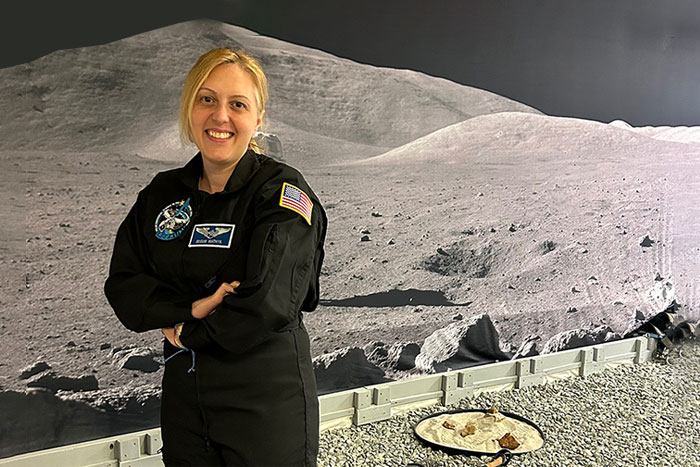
[{"x": 205, "y": 306}]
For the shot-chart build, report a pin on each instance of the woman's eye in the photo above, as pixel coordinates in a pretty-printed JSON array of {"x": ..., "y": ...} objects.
[
  {"x": 206, "y": 100},
  {"x": 239, "y": 105}
]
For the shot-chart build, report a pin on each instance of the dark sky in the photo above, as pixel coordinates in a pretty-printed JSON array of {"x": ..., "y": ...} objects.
[{"x": 636, "y": 60}]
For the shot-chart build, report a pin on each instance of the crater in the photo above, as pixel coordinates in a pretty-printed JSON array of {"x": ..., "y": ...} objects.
[{"x": 462, "y": 259}]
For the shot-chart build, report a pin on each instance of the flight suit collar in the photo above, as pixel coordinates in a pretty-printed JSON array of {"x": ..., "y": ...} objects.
[{"x": 244, "y": 171}]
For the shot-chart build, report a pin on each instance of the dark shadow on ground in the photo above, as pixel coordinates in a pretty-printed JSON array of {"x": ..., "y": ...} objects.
[{"x": 395, "y": 297}]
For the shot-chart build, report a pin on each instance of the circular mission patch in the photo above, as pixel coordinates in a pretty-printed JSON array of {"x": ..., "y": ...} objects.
[{"x": 173, "y": 219}]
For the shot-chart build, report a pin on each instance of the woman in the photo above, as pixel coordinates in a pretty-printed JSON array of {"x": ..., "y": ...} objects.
[{"x": 222, "y": 255}]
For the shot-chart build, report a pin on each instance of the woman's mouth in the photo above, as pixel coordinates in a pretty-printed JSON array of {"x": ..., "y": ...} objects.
[{"x": 220, "y": 135}]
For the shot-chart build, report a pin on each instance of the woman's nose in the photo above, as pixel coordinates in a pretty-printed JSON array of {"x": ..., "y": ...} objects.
[{"x": 220, "y": 114}]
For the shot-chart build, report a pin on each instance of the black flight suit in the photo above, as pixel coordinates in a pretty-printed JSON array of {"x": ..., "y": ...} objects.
[{"x": 251, "y": 399}]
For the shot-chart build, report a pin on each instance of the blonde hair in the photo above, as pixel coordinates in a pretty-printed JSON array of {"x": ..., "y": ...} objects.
[{"x": 199, "y": 74}]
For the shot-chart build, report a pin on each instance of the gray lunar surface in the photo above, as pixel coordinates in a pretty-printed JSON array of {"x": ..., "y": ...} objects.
[{"x": 445, "y": 202}]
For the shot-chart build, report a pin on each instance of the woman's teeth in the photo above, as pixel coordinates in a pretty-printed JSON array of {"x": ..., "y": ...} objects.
[{"x": 219, "y": 135}]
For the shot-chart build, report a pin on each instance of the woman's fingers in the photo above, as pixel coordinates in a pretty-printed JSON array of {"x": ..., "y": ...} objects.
[{"x": 229, "y": 287}]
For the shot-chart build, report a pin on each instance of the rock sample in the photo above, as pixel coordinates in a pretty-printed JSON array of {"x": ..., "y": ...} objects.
[
  {"x": 462, "y": 344},
  {"x": 345, "y": 369},
  {"x": 579, "y": 338}
]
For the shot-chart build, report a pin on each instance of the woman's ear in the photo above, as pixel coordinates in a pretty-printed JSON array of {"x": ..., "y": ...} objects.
[{"x": 260, "y": 120}]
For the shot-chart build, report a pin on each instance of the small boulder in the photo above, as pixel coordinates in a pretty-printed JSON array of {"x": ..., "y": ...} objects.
[
  {"x": 34, "y": 369},
  {"x": 646, "y": 242},
  {"x": 54, "y": 382},
  {"x": 578, "y": 338},
  {"x": 376, "y": 352},
  {"x": 402, "y": 356},
  {"x": 461, "y": 344},
  {"x": 547, "y": 247},
  {"x": 660, "y": 297},
  {"x": 139, "y": 359},
  {"x": 345, "y": 369},
  {"x": 528, "y": 348}
]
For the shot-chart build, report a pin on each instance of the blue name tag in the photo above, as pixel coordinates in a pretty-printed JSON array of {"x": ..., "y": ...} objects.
[{"x": 212, "y": 235}]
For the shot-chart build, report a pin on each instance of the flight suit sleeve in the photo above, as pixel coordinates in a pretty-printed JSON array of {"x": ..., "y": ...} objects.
[
  {"x": 139, "y": 298},
  {"x": 282, "y": 269}
]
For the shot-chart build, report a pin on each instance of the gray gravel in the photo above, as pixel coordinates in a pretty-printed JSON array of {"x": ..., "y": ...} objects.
[{"x": 632, "y": 415}]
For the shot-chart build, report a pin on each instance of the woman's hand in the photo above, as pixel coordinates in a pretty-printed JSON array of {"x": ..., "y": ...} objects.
[
  {"x": 207, "y": 305},
  {"x": 169, "y": 334}
]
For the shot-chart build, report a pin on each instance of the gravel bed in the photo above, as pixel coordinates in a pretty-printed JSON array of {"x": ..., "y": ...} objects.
[{"x": 631, "y": 415}]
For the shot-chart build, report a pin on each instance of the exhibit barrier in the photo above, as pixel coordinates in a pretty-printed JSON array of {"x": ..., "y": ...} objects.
[{"x": 372, "y": 403}]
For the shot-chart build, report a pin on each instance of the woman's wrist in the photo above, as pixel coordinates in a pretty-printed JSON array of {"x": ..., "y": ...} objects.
[
  {"x": 205, "y": 306},
  {"x": 200, "y": 308},
  {"x": 176, "y": 336}
]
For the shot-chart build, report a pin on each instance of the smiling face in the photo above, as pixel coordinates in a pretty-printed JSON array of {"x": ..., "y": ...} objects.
[{"x": 225, "y": 115}]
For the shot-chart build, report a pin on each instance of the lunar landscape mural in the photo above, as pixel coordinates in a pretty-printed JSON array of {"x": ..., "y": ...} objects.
[{"x": 452, "y": 210}]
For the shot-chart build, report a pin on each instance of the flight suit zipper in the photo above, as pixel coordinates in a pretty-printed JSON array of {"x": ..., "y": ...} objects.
[{"x": 197, "y": 209}]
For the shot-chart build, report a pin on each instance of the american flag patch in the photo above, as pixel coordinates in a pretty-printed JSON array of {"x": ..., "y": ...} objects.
[{"x": 296, "y": 200}]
